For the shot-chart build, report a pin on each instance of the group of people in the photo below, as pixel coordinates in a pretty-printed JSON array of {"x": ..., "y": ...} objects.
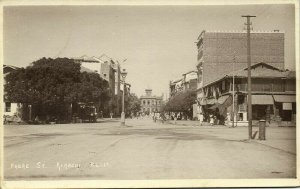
[{"x": 211, "y": 118}]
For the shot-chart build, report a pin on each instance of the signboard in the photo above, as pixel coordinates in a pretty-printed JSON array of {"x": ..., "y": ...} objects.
[{"x": 286, "y": 106}]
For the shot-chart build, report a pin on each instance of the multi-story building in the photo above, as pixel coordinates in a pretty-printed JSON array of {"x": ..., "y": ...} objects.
[
  {"x": 89, "y": 64},
  {"x": 175, "y": 86},
  {"x": 217, "y": 51},
  {"x": 118, "y": 94},
  {"x": 150, "y": 103},
  {"x": 221, "y": 54},
  {"x": 273, "y": 95},
  {"x": 109, "y": 70},
  {"x": 187, "y": 82}
]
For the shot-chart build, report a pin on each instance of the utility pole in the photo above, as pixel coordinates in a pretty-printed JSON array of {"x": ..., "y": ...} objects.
[
  {"x": 249, "y": 75},
  {"x": 233, "y": 96}
]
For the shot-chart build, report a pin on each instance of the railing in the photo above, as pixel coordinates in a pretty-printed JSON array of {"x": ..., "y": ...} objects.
[{"x": 261, "y": 87}]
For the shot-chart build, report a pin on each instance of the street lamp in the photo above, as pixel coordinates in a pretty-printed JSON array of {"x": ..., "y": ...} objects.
[{"x": 123, "y": 75}]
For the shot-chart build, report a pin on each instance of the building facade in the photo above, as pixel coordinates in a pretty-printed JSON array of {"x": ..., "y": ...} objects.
[
  {"x": 109, "y": 70},
  {"x": 10, "y": 108},
  {"x": 150, "y": 103},
  {"x": 217, "y": 51},
  {"x": 224, "y": 54},
  {"x": 188, "y": 81},
  {"x": 118, "y": 94},
  {"x": 273, "y": 96}
]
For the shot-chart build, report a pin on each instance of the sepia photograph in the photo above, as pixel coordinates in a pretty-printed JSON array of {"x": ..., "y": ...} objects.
[{"x": 124, "y": 94}]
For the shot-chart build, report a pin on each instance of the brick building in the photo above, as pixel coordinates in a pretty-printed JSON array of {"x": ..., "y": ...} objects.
[
  {"x": 222, "y": 55},
  {"x": 218, "y": 50},
  {"x": 150, "y": 103}
]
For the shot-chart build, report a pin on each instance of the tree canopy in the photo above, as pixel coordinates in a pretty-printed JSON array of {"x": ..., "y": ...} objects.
[
  {"x": 56, "y": 82},
  {"x": 132, "y": 104},
  {"x": 181, "y": 102}
]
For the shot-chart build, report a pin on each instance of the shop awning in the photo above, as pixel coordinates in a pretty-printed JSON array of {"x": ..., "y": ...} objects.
[
  {"x": 215, "y": 106},
  {"x": 222, "y": 99},
  {"x": 262, "y": 99},
  {"x": 285, "y": 98},
  {"x": 211, "y": 101}
]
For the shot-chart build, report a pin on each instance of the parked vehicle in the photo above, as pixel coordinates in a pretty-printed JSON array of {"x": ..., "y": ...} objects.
[{"x": 88, "y": 113}]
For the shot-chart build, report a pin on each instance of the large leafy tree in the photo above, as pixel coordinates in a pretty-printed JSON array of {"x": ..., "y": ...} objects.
[
  {"x": 181, "y": 102},
  {"x": 51, "y": 85},
  {"x": 132, "y": 104}
]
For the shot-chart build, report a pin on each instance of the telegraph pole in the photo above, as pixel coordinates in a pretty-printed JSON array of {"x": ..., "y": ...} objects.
[
  {"x": 249, "y": 76},
  {"x": 233, "y": 96}
]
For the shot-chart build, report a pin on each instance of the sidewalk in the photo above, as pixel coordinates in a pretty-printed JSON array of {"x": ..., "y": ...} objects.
[
  {"x": 281, "y": 138},
  {"x": 192, "y": 123}
]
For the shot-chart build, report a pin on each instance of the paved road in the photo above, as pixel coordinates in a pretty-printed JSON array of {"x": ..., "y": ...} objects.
[{"x": 144, "y": 150}]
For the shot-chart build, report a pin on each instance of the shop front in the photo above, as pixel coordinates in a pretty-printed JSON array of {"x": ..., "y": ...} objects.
[{"x": 285, "y": 107}]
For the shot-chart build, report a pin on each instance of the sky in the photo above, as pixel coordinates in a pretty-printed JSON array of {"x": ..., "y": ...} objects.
[{"x": 157, "y": 41}]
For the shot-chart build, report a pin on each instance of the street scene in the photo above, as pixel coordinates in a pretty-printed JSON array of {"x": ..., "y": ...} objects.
[
  {"x": 149, "y": 92},
  {"x": 146, "y": 150}
]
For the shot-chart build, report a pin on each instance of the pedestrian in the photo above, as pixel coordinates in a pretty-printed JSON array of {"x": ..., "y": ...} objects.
[
  {"x": 200, "y": 118},
  {"x": 211, "y": 119}
]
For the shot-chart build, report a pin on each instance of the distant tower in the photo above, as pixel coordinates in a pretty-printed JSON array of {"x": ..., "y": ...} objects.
[{"x": 148, "y": 92}]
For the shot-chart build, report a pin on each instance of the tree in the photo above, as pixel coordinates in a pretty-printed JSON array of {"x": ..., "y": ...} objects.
[
  {"x": 181, "y": 102},
  {"x": 52, "y": 85},
  {"x": 132, "y": 104}
]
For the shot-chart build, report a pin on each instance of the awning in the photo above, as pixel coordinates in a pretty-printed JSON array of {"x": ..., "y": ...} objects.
[
  {"x": 222, "y": 99},
  {"x": 262, "y": 99},
  {"x": 285, "y": 98},
  {"x": 215, "y": 106},
  {"x": 211, "y": 101}
]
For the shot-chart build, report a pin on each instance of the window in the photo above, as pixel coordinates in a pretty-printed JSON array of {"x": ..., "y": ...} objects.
[
  {"x": 148, "y": 102},
  {"x": 144, "y": 102},
  {"x": 7, "y": 107},
  {"x": 291, "y": 85}
]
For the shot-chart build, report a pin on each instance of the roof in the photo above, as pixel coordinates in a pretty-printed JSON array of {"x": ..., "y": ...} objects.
[
  {"x": 9, "y": 68},
  {"x": 193, "y": 71},
  {"x": 84, "y": 69},
  {"x": 86, "y": 58},
  {"x": 222, "y": 99},
  {"x": 242, "y": 31},
  {"x": 176, "y": 81},
  {"x": 236, "y": 31},
  {"x": 151, "y": 97},
  {"x": 258, "y": 72}
]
